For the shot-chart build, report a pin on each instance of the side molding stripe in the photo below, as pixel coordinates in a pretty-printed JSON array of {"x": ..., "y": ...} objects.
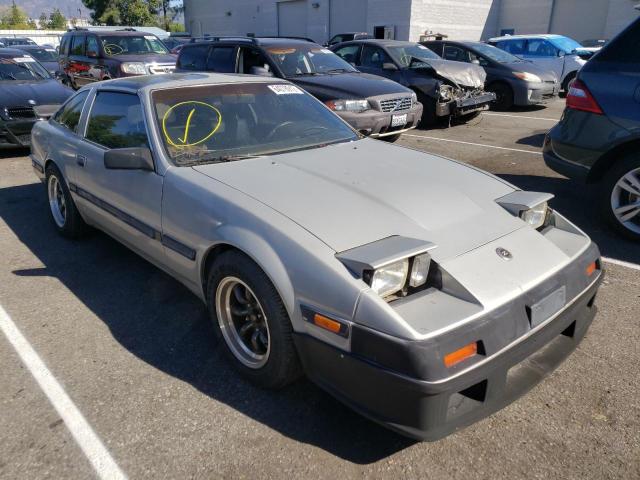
[{"x": 149, "y": 231}]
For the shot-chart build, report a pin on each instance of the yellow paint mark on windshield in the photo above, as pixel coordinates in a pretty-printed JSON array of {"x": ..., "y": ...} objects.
[{"x": 202, "y": 112}]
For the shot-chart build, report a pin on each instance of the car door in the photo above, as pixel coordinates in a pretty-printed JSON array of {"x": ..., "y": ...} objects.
[
  {"x": 544, "y": 54},
  {"x": 124, "y": 203},
  {"x": 374, "y": 59},
  {"x": 78, "y": 67},
  {"x": 64, "y": 145}
]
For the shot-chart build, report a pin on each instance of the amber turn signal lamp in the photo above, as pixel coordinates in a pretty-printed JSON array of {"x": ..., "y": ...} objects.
[
  {"x": 326, "y": 323},
  {"x": 461, "y": 354},
  {"x": 591, "y": 268}
]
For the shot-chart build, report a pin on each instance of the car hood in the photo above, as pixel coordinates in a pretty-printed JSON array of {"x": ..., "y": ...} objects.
[
  {"x": 347, "y": 85},
  {"x": 146, "y": 58},
  {"x": 16, "y": 93},
  {"x": 464, "y": 74},
  {"x": 355, "y": 193}
]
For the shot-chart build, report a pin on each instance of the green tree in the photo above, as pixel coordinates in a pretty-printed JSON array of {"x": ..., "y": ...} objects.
[
  {"x": 14, "y": 18},
  {"x": 43, "y": 20},
  {"x": 57, "y": 20},
  {"x": 124, "y": 12}
]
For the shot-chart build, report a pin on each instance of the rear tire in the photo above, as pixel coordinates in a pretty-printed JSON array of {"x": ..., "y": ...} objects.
[
  {"x": 252, "y": 322},
  {"x": 504, "y": 96},
  {"x": 64, "y": 214},
  {"x": 567, "y": 80},
  {"x": 620, "y": 197}
]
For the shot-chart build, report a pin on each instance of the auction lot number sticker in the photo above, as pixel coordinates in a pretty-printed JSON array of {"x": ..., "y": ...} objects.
[{"x": 284, "y": 89}]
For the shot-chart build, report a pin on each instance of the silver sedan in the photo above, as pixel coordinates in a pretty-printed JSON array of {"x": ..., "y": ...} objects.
[{"x": 422, "y": 292}]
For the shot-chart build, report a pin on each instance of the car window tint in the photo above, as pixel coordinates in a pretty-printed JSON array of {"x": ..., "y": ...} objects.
[
  {"x": 478, "y": 59},
  {"x": 374, "y": 57},
  {"x": 64, "y": 46},
  {"x": 69, "y": 115},
  {"x": 250, "y": 58},
  {"x": 540, "y": 48},
  {"x": 116, "y": 121},
  {"x": 92, "y": 44},
  {"x": 454, "y": 53},
  {"x": 77, "y": 45},
  {"x": 435, "y": 48},
  {"x": 625, "y": 48},
  {"x": 193, "y": 57},
  {"x": 515, "y": 47},
  {"x": 349, "y": 53},
  {"x": 222, "y": 59}
]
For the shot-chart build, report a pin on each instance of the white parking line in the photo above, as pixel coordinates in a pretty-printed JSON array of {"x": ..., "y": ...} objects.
[
  {"x": 104, "y": 465},
  {"x": 621, "y": 263},
  {"x": 521, "y": 116},
  {"x": 471, "y": 143}
]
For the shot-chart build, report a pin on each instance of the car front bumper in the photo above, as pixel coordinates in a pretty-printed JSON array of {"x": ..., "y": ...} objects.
[
  {"x": 465, "y": 106},
  {"x": 16, "y": 134},
  {"x": 430, "y": 406},
  {"x": 375, "y": 123},
  {"x": 535, "y": 93}
]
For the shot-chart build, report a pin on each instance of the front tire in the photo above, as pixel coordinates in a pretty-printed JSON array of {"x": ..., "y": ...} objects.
[
  {"x": 504, "y": 96},
  {"x": 251, "y": 320},
  {"x": 64, "y": 214},
  {"x": 620, "y": 197}
]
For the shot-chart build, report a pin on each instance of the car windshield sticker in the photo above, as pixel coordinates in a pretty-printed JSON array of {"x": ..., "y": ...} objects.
[
  {"x": 149, "y": 37},
  {"x": 24, "y": 60},
  {"x": 50, "y": 50},
  {"x": 281, "y": 51},
  {"x": 283, "y": 89},
  {"x": 112, "y": 49},
  {"x": 190, "y": 123}
]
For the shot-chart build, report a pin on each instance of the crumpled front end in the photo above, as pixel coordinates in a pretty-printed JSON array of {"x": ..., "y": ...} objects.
[{"x": 459, "y": 101}]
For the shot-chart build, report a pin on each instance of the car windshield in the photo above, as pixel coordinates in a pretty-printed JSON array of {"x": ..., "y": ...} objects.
[
  {"x": 408, "y": 55},
  {"x": 565, "y": 44},
  {"x": 495, "y": 53},
  {"x": 132, "y": 45},
  {"x": 21, "y": 68},
  {"x": 44, "y": 54},
  {"x": 221, "y": 123},
  {"x": 309, "y": 59},
  {"x": 18, "y": 41}
]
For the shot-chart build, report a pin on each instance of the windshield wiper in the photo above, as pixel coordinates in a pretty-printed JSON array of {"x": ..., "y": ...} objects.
[
  {"x": 303, "y": 74},
  {"x": 213, "y": 159},
  {"x": 339, "y": 70}
]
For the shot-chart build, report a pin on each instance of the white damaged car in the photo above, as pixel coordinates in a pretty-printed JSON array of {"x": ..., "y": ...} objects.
[{"x": 424, "y": 293}]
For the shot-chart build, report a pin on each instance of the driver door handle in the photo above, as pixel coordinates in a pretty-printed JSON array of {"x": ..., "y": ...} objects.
[{"x": 81, "y": 160}]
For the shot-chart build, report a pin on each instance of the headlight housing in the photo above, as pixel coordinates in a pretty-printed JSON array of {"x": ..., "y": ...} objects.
[
  {"x": 527, "y": 77},
  {"x": 391, "y": 278},
  {"x": 133, "y": 68},
  {"x": 535, "y": 216},
  {"x": 446, "y": 92},
  {"x": 414, "y": 99},
  {"x": 349, "y": 105}
]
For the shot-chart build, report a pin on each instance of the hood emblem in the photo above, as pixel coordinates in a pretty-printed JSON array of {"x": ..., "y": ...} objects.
[
  {"x": 504, "y": 254},
  {"x": 397, "y": 105},
  {"x": 31, "y": 102}
]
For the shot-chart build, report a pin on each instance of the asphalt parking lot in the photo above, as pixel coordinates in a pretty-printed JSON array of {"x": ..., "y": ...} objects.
[{"x": 134, "y": 352}]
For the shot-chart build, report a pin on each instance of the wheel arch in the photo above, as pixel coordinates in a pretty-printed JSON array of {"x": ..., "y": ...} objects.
[
  {"x": 260, "y": 252},
  {"x": 610, "y": 158}
]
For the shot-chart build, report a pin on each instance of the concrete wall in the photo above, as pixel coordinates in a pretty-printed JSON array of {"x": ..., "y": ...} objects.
[
  {"x": 525, "y": 16},
  {"x": 460, "y": 19},
  {"x": 621, "y": 13}
]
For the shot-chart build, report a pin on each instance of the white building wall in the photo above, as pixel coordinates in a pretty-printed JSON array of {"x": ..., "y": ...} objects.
[
  {"x": 460, "y": 19},
  {"x": 525, "y": 16},
  {"x": 621, "y": 13}
]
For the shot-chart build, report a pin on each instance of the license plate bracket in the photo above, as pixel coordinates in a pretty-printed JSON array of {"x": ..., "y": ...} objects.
[
  {"x": 398, "y": 120},
  {"x": 547, "y": 307}
]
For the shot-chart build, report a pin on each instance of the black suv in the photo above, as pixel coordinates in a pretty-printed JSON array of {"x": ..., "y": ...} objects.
[
  {"x": 90, "y": 56},
  {"x": 372, "y": 105}
]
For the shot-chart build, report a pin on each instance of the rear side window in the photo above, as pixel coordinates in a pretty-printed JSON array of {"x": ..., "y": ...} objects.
[
  {"x": 222, "y": 59},
  {"x": 625, "y": 48},
  {"x": 540, "y": 48},
  {"x": 515, "y": 47},
  {"x": 64, "y": 45},
  {"x": 193, "y": 57},
  {"x": 77, "y": 45},
  {"x": 116, "y": 121},
  {"x": 374, "y": 57},
  {"x": 69, "y": 115},
  {"x": 349, "y": 53},
  {"x": 435, "y": 47}
]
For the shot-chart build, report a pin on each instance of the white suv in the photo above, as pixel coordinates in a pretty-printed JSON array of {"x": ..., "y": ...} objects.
[{"x": 561, "y": 54}]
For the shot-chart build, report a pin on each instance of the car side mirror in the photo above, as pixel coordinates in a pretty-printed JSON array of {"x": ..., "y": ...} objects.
[
  {"x": 389, "y": 66},
  {"x": 92, "y": 54},
  {"x": 263, "y": 72},
  {"x": 137, "y": 158}
]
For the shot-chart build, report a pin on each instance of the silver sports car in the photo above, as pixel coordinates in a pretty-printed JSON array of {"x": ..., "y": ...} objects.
[{"x": 422, "y": 292}]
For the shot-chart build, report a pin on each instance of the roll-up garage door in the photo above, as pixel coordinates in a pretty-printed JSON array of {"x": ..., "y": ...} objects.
[{"x": 292, "y": 18}]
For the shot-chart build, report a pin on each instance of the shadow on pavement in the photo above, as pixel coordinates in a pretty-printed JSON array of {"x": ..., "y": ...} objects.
[
  {"x": 535, "y": 140},
  {"x": 578, "y": 203},
  {"x": 161, "y": 322}
]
